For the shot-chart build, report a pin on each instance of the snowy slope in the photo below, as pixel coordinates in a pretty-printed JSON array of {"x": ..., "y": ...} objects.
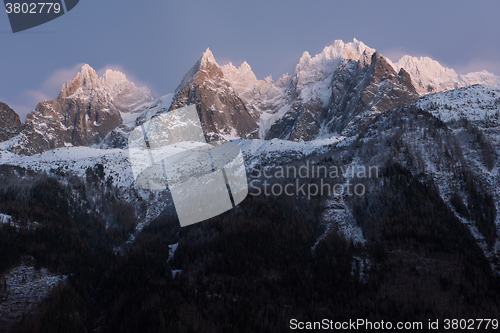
[
  {"x": 77, "y": 160},
  {"x": 473, "y": 113},
  {"x": 116, "y": 162},
  {"x": 278, "y": 151},
  {"x": 117, "y": 138},
  {"x": 312, "y": 80}
]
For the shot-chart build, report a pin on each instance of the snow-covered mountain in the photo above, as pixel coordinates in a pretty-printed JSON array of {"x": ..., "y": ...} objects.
[
  {"x": 343, "y": 84},
  {"x": 87, "y": 109},
  {"x": 474, "y": 103},
  {"x": 334, "y": 92},
  {"x": 430, "y": 76},
  {"x": 222, "y": 113},
  {"x": 337, "y": 90}
]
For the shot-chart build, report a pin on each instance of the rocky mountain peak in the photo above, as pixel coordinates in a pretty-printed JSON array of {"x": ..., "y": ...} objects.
[
  {"x": 113, "y": 85},
  {"x": 113, "y": 78},
  {"x": 245, "y": 67},
  {"x": 86, "y": 80},
  {"x": 303, "y": 61},
  {"x": 87, "y": 72},
  {"x": 88, "y": 108},
  {"x": 215, "y": 91},
  {"x": 206, "y": 67},
  {"x": 126, "y": 96},
  {"x": 340, "y": 50},
  {"x": 334, "y": 91},
  {"x": 337, "y": 90},
  {"x": 240, "y": 78},
  {"x": 207, "y": 59},
  {"x": 340, "y": 85},
  {"x": 322, "y": 65}
]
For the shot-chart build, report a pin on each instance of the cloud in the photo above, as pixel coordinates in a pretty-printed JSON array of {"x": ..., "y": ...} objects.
[
  {"x": 52, "y": 85},
  {"x": 27, "y": 100},
  {"x": 31, "y": 98},
  {"x": 35, "y": 95}
]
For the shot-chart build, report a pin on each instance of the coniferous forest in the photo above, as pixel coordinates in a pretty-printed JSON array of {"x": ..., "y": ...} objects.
[{"x": 252, "y": 269}]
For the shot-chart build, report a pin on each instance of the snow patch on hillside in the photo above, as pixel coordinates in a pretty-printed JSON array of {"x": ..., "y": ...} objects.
[{"x": 22, "y": 289}]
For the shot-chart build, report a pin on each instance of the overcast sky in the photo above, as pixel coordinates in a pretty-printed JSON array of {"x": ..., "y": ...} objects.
[{"x": 156, "y": 42}]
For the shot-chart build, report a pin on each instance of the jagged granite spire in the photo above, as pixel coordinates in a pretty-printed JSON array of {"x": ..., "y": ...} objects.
[{"x": 88, "y": 108}]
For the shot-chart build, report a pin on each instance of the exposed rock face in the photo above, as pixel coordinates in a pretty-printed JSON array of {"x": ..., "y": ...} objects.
[
  {"x": 10, "y": 123},
  {"x": 370, "y": 89},
  {"x": 88, "y": 108},
  {"x": 344, "y": 85},
  {"x": 223, "y": 114}
]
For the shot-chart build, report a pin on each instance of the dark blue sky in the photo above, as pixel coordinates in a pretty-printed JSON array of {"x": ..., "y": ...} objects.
[{"x": 155, "y": 42}]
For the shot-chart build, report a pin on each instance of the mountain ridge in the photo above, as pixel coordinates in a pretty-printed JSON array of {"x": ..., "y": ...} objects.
[
  {"x": 332, "y": 92},
  {"x": 287, "y": 108}
]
